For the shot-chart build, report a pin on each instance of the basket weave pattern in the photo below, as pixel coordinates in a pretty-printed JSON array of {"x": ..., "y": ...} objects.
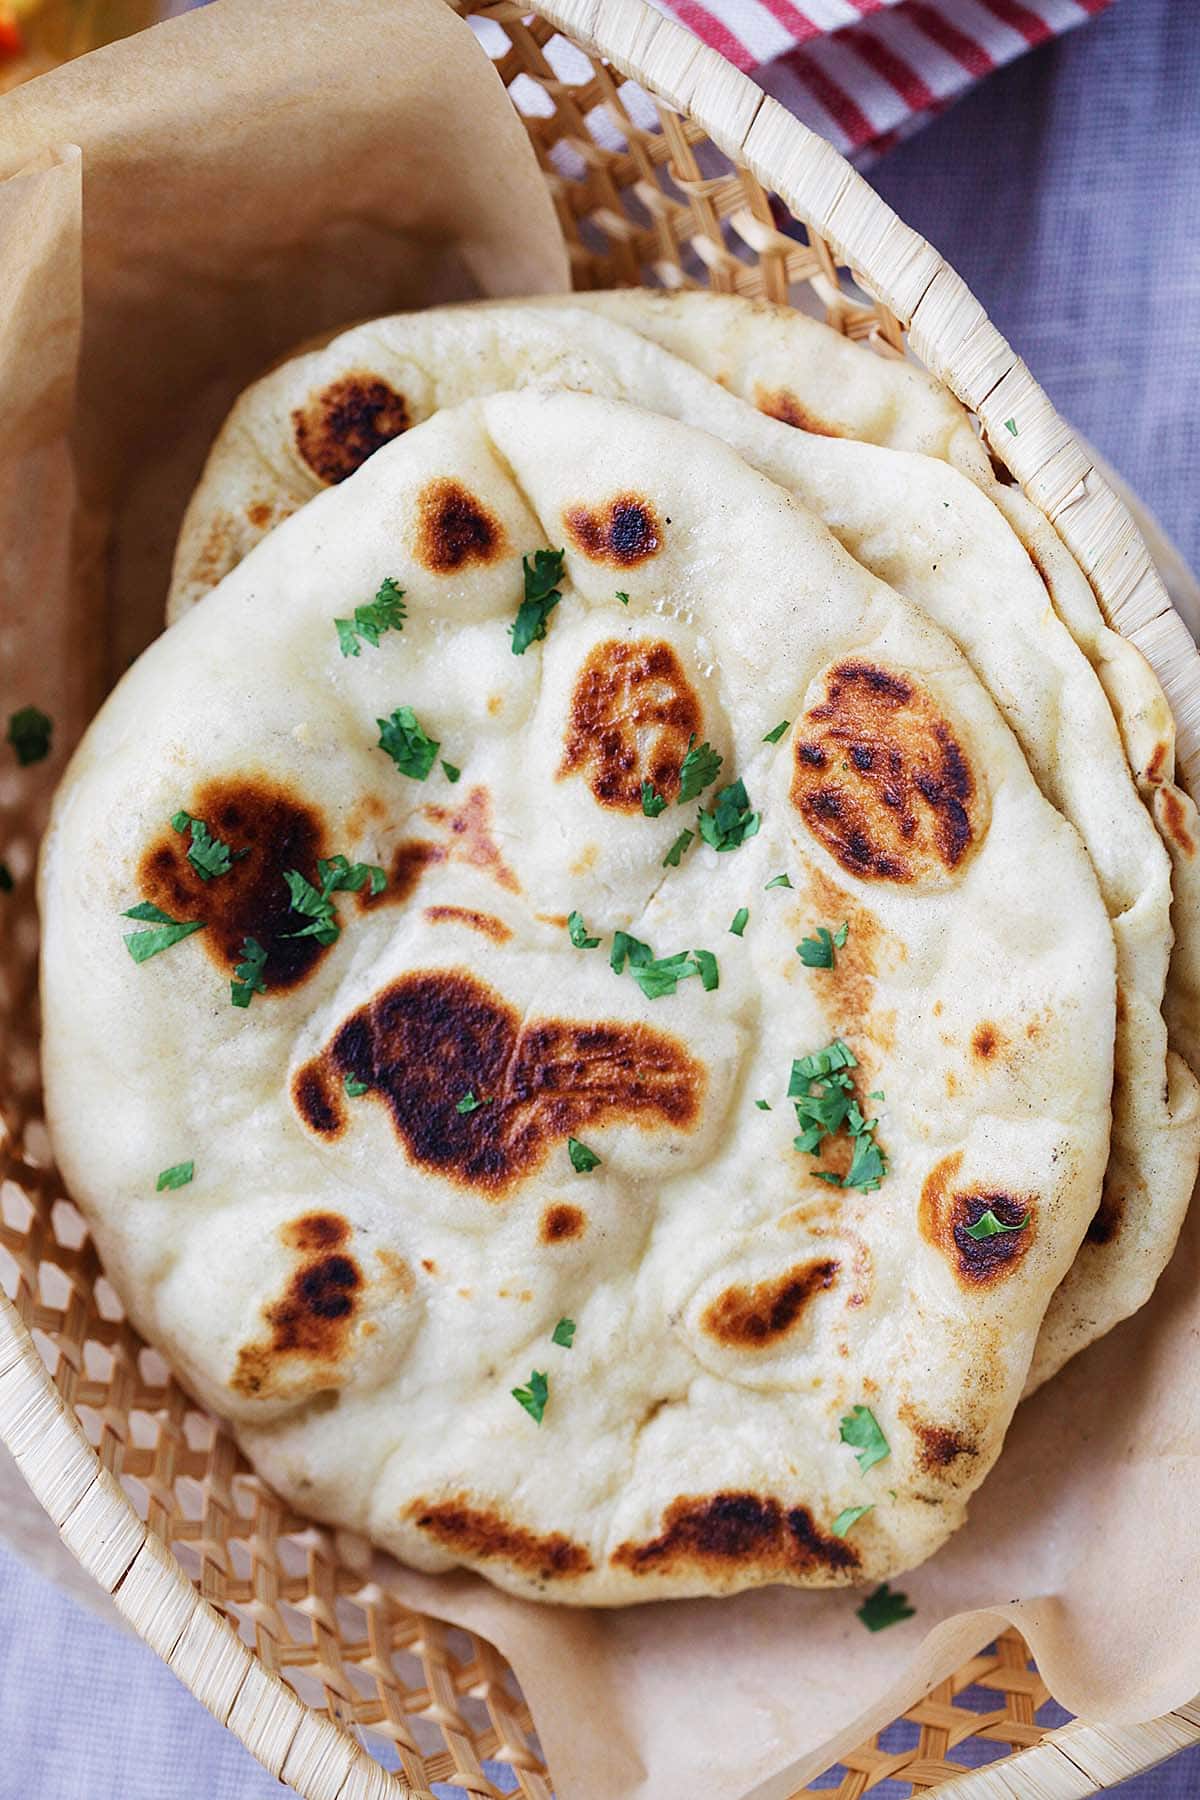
[{"x": 290, "y": 1638}]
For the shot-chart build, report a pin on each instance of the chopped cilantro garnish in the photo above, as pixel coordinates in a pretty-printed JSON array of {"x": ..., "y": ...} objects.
[
  {"x": 385, "y": 613},
  {"x": 868, "y": 1166},
  {"x": 740, "y": 920},
  {"x": 763, "y": 1105},
  {"x": 706, "y": 962},
  {"x": 208, "y": 855},
  {"x": 534, "y": 1397},
  {"x": 825, "y": 1109},
  {"x": 884, "y": 1607},
  {"x": 819, "y": 1064},
  {"x": 144, "y": 944},
  {"x": 410, "y": 747},
  {"x": 671, "y": 859},
  {"x": 783, "y": 880},
  {"x": 819, "y": 952},
  {"x": 773, "y": 736},
  {"x": 541, "y": 597},
  {"x": 579, "y": 932},
  {"x": 582, "y": 1159},
  {"x": 631, "y": 947},
  {"x": 469, "y": 1104},
  {"x": 850, "y": 1515},
  {"x": 248, "y": 975},
  {"x": 652, "y": 802},
  {"x": 450, "y": 771},
  {"x": 860, "y": 1429},
  {"x": 564, "y": 1334},
  {"x": 662, "y": 975},
  {"x": 731, "y": 821},
  {"x": 177, "y": 1176},
  {"x": 29, "y": 733},
  {"x": 988, "y": 1225},
  {"x": 6, "y": 879},
  {"x": 623, "y": 598},
  {"x": 698, "y": 768},
  {"x": 354, "y": 1087},
  {"x": 1011, "y": 425},
  {"x": 316, "y": 904},
  {"x": 876, "y": 1094}
]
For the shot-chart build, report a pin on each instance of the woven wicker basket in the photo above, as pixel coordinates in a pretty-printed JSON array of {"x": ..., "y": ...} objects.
[{"x": 689, "y": 179}]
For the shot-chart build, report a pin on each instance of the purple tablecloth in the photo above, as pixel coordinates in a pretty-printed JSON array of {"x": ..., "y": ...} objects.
[{"x": 1066, "y": 190}]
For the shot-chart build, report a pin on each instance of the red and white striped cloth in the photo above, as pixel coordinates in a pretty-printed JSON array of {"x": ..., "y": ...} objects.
[{"x": 866, "y": 73}]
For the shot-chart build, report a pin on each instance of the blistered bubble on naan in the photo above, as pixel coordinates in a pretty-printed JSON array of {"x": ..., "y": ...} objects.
[
  {"x": 882, "y": 781},
  {"x": 347, "y": 422},
  {"x": 947, "y": 1213},
  {"x": 633, "y": 714},
  {"x": 749, "y": 1317},
  {"x": 623, "y": 532}
]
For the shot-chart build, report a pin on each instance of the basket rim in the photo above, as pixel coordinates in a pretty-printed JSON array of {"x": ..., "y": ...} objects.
[{"x": 952, "y": 336}]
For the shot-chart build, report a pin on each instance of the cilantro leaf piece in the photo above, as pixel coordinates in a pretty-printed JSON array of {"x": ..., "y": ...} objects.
[
  {"x": 142, "y": 945},
  {"x": 731, "y": 821},
  {"x": 773, "y": 736},
  {"x": 869, "y": 1165},
  {"x": 386, "y": 612},
  {"x": 623, "y": 598},
  {"x": 706, "y": 963},
  {"x": 631, "y": 947},
  {"x": 884, "y": 1607},
  {"x": 652, "y": 802},
  {"x": 662, "y": 975},
  {"x": 818, "y": 1065},
  {"x": 248, "y": 975},
  {"x": 841, "y": 934},
  {"x": 564, "y": 1334},
  {"x": 209, "y": 856},
  {"x": 672, "y": 858},
  {"x": 541, "y": 597},
  {"x": 579, "y": 933},
  {"x": 699, "y": 767},
  {"x": 410, "y": 747},
  {"x": 336, "y": 874},
  {"x": 777, "y": 881},
  {"x": 534, "y": 1397},
  {"x": 6, "y": 879},
  {"x": 860, "y": 1429},
  {"x": 850, "y": 1515},
  {"x": 469, "y": 1104},
  {"x": 354, "y": 1087},
  {"x": 741, "y": 919},
  {"x": 819, "y": 952},
  {"x": 29, "y": 733},
  {"x": 451, "y": 772},
  {"x": 582, "y": 1159},
  {"x": 1011, "y": 425},
  {"x": 988, "y": 1225},
  {"x": 177, "y": 1176},
  {"x": 763, "y": 1105}
]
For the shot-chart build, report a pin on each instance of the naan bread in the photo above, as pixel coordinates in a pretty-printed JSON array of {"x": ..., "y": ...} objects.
[
  {"x": 910, "y": 519},
  {"x": 361, "y": 1279}
]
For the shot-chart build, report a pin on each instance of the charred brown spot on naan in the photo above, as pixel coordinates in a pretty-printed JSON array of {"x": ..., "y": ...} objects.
[
  {"x": 1156, "y": 765},
  {"x": 481, "y": 1533},
  {"x": 317, "y": 1100},
  {"x": 1109, "y": 1215},
  {"x": 880, "y": 779},
  {"x": 455, "y": 529},
  {"x": 750, "y": 1317},
  {"x": 789, "y": 409},
  {"x": 624, "y": 532},
  {"x": 941, "y": 1446},
  {"x": 485, "y": 923},
  {"x": 1174, "y": 812},
  {"x": 269, "y": 829},
  {"x": 987, "y": 1042},
  {"x": 431, "y": 1036},
  {"x": 715, "y": 1532},
  {"x": 312, "y": 1319},
  {"x": 561, "y": 1223},
  {"x": 633, "y": 712},
  {"x": 946, "y": 1212},
  {"x": 468, "y": 839},
  {"x": 346, "y": 423},
  {"x": 220, "y": 551},
  {"x": 409, "y": 862}
]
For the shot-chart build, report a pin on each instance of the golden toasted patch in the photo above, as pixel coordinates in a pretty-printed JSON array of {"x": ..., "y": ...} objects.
[
  {"x": 561, "y": 1222},
  {"x": 1175, "y": 819},
  {"x": 633, "y": 711},
  {"x": 312, "y": 1319},
  {"x": 945, "y": 1213},
  {"x": 346, "y": 423},
  {"x": 486, "y": 923},
  {"x": 941, "y": 1445},
  {"x": 789, "y": 409},
  {"x": 398, "y": 1276},
  {"x": 719, "y": 1532},
  {"x": 624, "y": 532},
  {"x": 431, "y": 1036},
  {"x": 751, "y": 1317},
  {"x": 987, "y": 1042},
  {"x": 269, "y": 829},
  {"x": 469, "y": 830},
  {"x": 480, "y": 1532},
  {"x": 455, "y": 529},
  {"x": 1156, "y": 764},
  {"x": 880, "y": 779}
]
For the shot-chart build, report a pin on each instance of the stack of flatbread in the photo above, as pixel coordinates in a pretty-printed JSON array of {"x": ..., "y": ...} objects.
[{"x": 622, "y": 979}]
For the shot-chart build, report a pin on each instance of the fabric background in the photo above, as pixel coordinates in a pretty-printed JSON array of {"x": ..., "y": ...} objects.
[{"x": 1066, "y": 190}]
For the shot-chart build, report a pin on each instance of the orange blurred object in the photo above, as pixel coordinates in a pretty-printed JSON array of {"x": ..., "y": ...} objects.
[{"x": 11, "y": 41}]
